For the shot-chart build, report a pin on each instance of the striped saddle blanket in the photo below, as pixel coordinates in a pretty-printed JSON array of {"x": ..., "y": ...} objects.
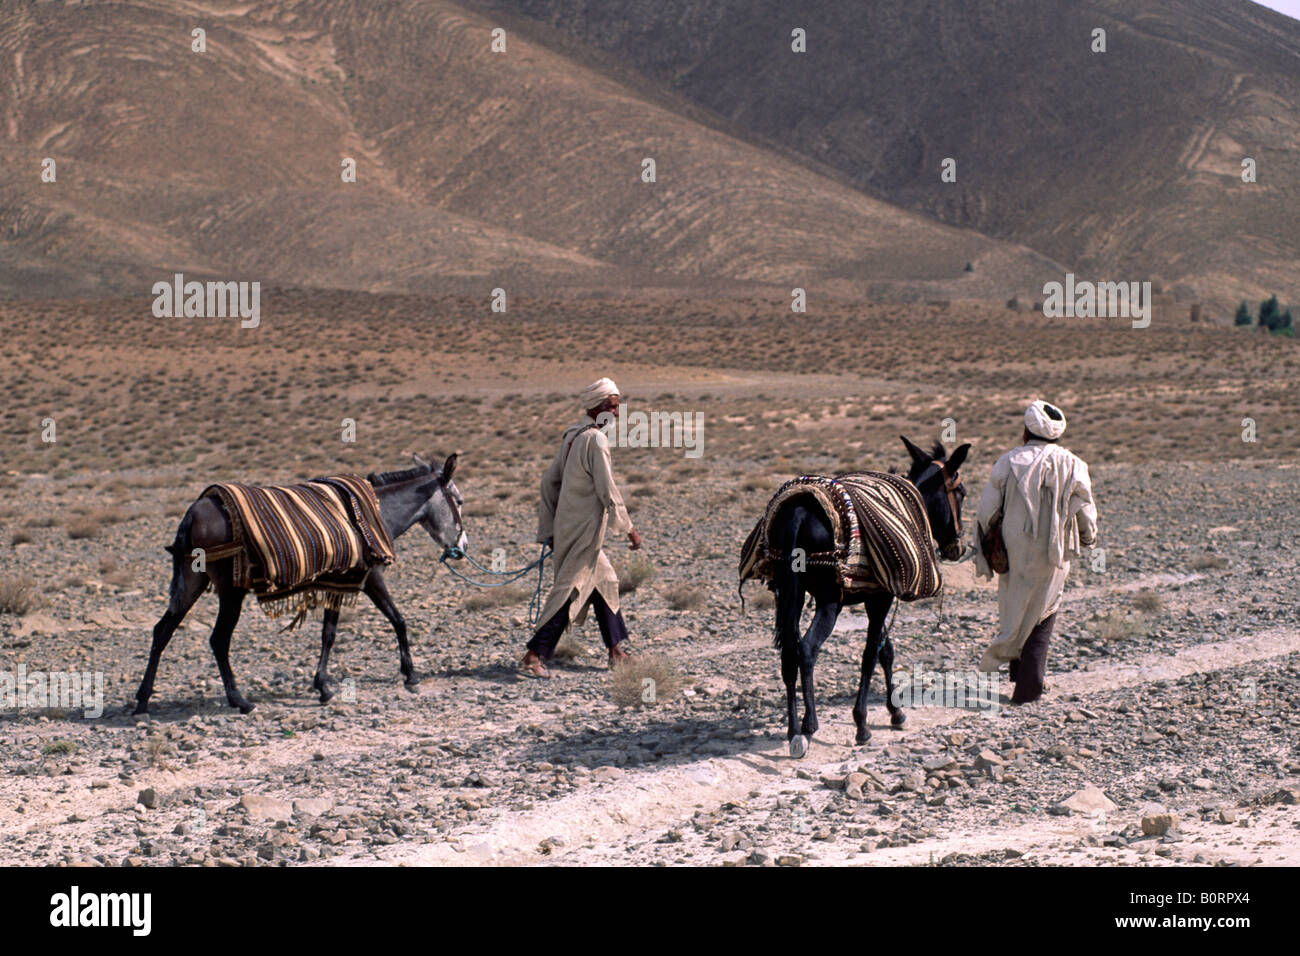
[
  {"x": 881, "y": 532},
  {"x": 299, "y": 547}
]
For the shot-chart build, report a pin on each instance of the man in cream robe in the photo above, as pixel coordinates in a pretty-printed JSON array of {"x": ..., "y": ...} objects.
[
  {"x": 580, "y": 504},
  {"x": 1044, "y": 494}
]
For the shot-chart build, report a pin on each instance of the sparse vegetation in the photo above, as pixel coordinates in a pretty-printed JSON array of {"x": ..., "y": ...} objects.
[
  {"x": 1118, "y": 626},
  {"x": 497, "y": 597},
  {"x": 568, "y": 649},
  {"x": 1209, "y": 562},
  {"x": 81, "y": 528},
  {"x": 1148, "y": 601},
  {"x": 644, "y": 680},
  {"x": 636, "y": 571},
  {"x": 59, "y": 748},
  {"x": 17, "y": 595},
  {"x": 684, "y": 597}
]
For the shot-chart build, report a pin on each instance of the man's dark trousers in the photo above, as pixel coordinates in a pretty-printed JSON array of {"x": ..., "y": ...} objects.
[{"x": 612, "y": 629}]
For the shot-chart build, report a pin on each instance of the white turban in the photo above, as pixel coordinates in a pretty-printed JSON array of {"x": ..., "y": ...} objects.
[
  {"x": 1045, "y": 421},
  {"x": 597, "y": 392}
]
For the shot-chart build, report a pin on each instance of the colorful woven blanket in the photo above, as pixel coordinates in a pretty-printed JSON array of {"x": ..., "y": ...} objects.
[
  {"x": 307, "y": 545},
  {"x": 881, "y": 532}
]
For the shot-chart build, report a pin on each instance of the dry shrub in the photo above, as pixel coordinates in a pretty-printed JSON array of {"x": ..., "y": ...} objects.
[
  {"x": 1209, "y": 562},
  {"x": 1148, "y": 602},
  {"x": 761, "y": 600},
  {"x": 1118, "y": 626},
  {"x": 636, "y": 571},
  {"x": 684, "y": 597},
  {"x": 644, "y": 680},
  {"x": 81, "y": 528},
  {"x": 59, "y": 748},
  {"x": 110, "y": 516},
  {"x": 568, "y": 649},
  {"x": 17, "y": 595},
  {"x": 497, "y": 597},
  {"x": 157, "y": 750}
]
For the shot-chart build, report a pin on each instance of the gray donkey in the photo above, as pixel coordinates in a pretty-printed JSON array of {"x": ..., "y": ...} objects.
[{"x": 414, "y": 495}]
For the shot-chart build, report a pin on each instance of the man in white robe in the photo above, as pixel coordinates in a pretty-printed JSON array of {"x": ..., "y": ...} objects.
[
  {"x": 1044, "y": 495},
  {"x": 580, "y": 504}
]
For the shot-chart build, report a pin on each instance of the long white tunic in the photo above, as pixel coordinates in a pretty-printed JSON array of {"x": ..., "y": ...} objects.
[
  {"x": 1044, "y": 494},
  {"x": 580, "y": 503}
]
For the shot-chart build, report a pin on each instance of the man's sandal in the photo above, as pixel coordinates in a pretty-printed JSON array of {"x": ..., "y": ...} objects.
[{"x": 532, "y": 668}]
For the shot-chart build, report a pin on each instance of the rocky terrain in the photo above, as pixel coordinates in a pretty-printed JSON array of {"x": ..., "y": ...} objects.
[{"x": 1168, "y": 735}]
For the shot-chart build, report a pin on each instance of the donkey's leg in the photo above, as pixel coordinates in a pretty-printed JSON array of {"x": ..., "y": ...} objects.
[
  {"x": 823, "y": 622},
  {"x": 327, "y": 631},
  {"x": 186, "y": 587},
  {"x": 232, "y": 601},
  {"x": 896, "y": 716},
  {"x": 789, "y": 606},
  {"x": 378, "y": 593},
  {"x": 877, "y": 609}
]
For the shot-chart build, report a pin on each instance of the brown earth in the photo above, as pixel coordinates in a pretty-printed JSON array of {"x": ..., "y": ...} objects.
[{"x": 1174, "y": 672}]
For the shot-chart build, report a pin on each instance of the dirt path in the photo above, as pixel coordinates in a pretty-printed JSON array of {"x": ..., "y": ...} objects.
[{"x": 588, "y": 827}]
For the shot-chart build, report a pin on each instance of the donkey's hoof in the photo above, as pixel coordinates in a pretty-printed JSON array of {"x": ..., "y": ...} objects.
[
  {"x": 326, "y": 695},
  {"x": 141, "y": 708},
  {"x": 798, "y": 746},
  {"x": 897, "y": 719},
  {"x": 412, "y": 683},
  {"x": 864, "y": 736},
  {"x": 243, "y": 705}
]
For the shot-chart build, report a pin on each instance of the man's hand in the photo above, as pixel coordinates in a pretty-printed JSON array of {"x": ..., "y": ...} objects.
[{"x": 634, "y": 540}]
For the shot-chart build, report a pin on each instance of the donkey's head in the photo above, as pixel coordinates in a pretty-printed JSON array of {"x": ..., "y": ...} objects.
[
  {"x": 441, "y": 515},
  {"x": 425, "y": 496},
  {"x": 936, "y": 478}
]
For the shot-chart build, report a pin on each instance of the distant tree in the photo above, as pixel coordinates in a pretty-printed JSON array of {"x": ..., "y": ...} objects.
[
  {"x": 1268, "y": 312},
  {"x": 1243, "y": 313}
]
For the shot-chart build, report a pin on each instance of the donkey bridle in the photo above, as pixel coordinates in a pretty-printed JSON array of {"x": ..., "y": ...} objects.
[{"x": 950, "y": 485}]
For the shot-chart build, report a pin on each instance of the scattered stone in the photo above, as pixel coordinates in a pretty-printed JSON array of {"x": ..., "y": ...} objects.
[
  {"x": 853, "y": 785},
  {"x": 1087, "y": 800},
  {"x": 148, "y": 798},
  {"x": 313, "y": 806},
  {"x": 260, "y": 807},
  {"x": 1158, "y": 824}
]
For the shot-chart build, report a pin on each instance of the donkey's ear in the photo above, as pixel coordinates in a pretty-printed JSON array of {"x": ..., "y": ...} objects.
[
  {"x": 449, "y": 466},
  {"x": 918, "y": 456},
  {"x": 956, "y": 458},
  {"x": 420, "y": 462}
]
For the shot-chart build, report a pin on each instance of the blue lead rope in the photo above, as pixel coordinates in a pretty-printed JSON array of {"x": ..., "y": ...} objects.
[{"x": 534, "y": 605}]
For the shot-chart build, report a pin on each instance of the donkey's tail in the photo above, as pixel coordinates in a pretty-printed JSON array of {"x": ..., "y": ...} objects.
[
  {"x": 177, "y": 549},
  {"x": 785, "y": 580}
]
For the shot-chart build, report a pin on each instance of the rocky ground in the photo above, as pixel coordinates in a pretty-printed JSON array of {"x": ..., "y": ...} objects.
[{"x": 1168, "y": 735}]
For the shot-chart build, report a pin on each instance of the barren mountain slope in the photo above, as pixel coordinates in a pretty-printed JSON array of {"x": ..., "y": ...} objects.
[
  {"x": 470, "y": 164},
  {"x": 1126, "y": 162}
]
